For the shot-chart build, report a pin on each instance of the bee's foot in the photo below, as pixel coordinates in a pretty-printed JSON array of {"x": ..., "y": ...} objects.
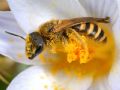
[
  {"x": 107, "y": 19},
  {"x": 103, "y": 20}
]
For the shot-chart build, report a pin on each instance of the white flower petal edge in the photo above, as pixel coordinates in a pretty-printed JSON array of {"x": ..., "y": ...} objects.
[
  {"x": 35, "y": 78},
  {"x": 11, "y": 46},
  {"x": 32, "y": 13}
]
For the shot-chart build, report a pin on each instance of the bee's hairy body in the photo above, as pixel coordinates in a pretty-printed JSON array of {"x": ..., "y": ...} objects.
[
  {"x": 59, "y": 31},
  {"x": 46, "y": 32},
  {"x": 89, "y": 29}
]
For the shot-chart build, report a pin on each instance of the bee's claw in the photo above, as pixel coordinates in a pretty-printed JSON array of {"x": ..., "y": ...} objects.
[
  {"x": 107, "y": 19},
  {"x": 103, "y": 20}
]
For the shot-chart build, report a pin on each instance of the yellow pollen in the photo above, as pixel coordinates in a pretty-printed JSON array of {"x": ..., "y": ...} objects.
[
  {"x": 46, "y": 86},
  {"x": 76, "y": 48},
  {"x": 19, "y": 55},
  {"x": 56, "y": 87},
  {"x": 76, "y": 52}
]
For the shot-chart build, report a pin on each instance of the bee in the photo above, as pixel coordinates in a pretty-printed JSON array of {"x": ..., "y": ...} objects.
[{"x": 56, "y": 30}]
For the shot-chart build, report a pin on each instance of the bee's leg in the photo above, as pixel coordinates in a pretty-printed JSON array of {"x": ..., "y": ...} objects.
[
  {"x": 91, "y": 19},
  {"x": 103, "y": 20}
]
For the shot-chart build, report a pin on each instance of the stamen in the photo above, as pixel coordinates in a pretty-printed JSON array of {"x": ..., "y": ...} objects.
[{"x": 76, "y": 48}]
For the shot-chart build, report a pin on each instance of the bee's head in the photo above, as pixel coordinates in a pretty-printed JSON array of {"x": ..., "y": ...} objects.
[{"x": 34, "y": 45}]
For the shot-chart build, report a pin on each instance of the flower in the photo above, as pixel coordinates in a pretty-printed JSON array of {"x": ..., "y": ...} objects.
[{"x": 28, "y": 15}]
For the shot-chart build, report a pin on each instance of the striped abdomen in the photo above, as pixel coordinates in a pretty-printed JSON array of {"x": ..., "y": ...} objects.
[{"x": 91, "y": 30}]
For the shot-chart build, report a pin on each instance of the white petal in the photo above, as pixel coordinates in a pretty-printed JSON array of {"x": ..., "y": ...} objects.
[
  {"x": 11, "y": 46},
  {"x": 100, "y": 84},
  {"x": 36, "y": 78},
  {"x": 101, "y": 8},
  {"x": 114, "y": 77},
  {"x": 74, "y": 82},
  {"x": 32, "y": 13},
  {"x": 32, "y": 79}
]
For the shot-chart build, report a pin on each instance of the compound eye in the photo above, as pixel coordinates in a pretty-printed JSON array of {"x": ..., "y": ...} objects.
[
  {"x": 39, "y": 49},
  {"x": 38, "y": 42}
]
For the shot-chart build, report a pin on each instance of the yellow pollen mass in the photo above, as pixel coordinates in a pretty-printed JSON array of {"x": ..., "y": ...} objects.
[{"x": 75, "y": 51}]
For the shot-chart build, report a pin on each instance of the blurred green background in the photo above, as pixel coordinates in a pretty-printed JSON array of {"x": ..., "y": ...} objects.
[{"x": 8, "y": 68}]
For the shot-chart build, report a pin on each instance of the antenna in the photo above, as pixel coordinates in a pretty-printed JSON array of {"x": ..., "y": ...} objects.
[{"x": 15, "y": 35}]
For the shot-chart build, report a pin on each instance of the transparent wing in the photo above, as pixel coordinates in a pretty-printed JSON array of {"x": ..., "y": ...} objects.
[{"x": 70, "y": 22}]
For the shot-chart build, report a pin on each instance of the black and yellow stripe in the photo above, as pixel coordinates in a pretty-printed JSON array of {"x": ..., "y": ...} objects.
[{"x": 91, "y": 30}]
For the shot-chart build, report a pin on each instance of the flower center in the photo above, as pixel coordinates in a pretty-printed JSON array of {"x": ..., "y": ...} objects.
[{"x": 81, "y": 55}]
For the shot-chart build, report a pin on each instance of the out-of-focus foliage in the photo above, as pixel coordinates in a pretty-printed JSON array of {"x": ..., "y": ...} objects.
[
  {"x": 8, "y": 70},
  {"x": 5, "y": 72}
]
